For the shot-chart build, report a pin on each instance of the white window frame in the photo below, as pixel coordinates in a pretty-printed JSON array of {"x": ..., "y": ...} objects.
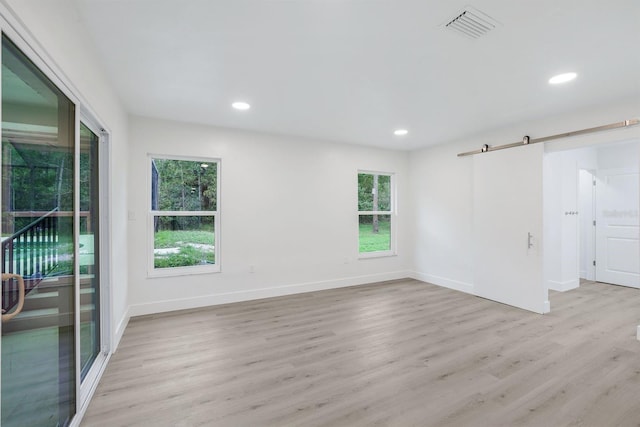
[
  {"x": 194, "y": 269},
  {"x": 393, "y": 213}
]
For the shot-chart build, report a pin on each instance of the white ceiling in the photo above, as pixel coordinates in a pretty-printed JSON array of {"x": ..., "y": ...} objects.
[{"x": 355, "y": 70}]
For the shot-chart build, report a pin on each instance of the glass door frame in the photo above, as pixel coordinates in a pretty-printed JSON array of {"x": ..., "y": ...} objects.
[
  {"x": 13, "y": 29},
  {"x": 86, "y": 387}
]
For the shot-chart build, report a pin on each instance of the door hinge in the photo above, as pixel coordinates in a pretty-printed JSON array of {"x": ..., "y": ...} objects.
[
  {"x": 594, "y": 222},
  {"x": 594, "y": 182},
  {"x": 594, "y": 262}
]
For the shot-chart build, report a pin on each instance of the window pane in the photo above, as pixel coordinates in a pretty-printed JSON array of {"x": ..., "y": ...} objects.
[
  {"x": 183, "y": 241},
  {"x": 374, "y": 192},
  {"x": 89, "y": 250},
  {"x": 183, "y": 185},
  {"x": 375, "y": 233}
]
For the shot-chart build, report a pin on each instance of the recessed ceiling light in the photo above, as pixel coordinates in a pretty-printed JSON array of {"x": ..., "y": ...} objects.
[
  {"x": 241, "y": 105},
  {"x": 562, "y": 78},
  {"x": 400, "y": 132}
]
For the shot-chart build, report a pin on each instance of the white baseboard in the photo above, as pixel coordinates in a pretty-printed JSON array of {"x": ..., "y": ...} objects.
[
  {"x": 122, "y": 325},
  {"x": 253, "y": 294},
  {"x": 546, "y": 308},
  {"x": 444, "y": 282},
  {"x": 588, "y": 274},
  {"x": 638, "y": 333},
  {"x": 563, "y": 286}
]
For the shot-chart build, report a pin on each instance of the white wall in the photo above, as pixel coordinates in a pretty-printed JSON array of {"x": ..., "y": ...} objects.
[
  {"x": 623, "y": 155},
  {"x": 288, "y": 208},
  {"x": 442, "y": 187},
  {"x": 442, "y": 192},
  {"x": 55, "y": 26},
  {"x": 564, "y": 217},
  {"x": 553, "y": 220},
  {"x": 587, "y": 231}
]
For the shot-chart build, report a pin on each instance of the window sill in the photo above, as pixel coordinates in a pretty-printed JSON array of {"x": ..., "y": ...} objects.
[
  {"x": 183, "y": 271},
  {"x": 382, "y": 254}
]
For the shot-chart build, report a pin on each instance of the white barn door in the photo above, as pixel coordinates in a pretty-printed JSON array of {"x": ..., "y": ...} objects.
[
  {"x": 507, "y": 224},
  {"x": 617, "y": 227}
]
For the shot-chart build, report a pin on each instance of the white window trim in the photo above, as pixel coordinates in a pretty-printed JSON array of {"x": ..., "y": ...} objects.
[
  {"x": 190, "y": 270},
  {"x": 393, "y": 213}
]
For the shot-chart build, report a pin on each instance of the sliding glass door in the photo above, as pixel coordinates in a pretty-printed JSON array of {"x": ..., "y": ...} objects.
[
  {"x": 38, "y": 152},
  {"x": 51, "y": 264}
]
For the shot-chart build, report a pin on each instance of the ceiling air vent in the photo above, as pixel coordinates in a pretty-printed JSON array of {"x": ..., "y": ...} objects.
[{"x": 472, "y": 23}]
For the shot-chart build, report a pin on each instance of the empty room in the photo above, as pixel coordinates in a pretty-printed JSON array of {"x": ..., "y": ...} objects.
[{"x": 320, "y": 213}]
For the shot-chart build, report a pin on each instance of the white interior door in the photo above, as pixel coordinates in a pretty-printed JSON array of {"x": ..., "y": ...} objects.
[
  {"x": 617, "y": 227},
  {"x": 507, "y": 224}
]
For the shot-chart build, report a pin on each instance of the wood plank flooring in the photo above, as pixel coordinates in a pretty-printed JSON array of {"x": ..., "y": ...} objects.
[{"x": 401, "y": 353}]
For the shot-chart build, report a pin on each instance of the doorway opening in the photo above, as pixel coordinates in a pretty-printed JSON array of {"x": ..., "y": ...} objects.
[{"x": 592, "y": 202}]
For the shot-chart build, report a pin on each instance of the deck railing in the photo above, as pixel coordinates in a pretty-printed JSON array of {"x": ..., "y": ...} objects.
[{"x": 32, "y": 253}]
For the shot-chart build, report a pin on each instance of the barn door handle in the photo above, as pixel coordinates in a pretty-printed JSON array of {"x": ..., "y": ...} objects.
[{"x": 6, "y": 276}]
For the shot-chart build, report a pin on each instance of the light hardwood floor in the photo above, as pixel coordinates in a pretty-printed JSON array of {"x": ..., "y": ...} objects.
[{"x": 401, "y": 353}]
